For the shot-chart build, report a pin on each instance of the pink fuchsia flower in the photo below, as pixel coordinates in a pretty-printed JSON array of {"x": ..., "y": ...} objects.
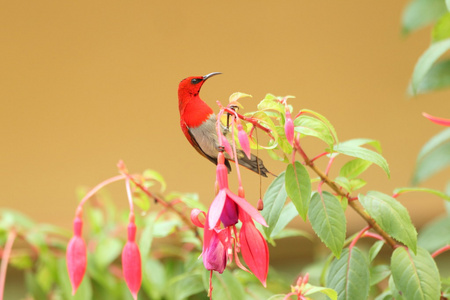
[
  {"x": 76, "y": 254},
  {"x": 440, "y": 121},
  {"x": 254, "y": 248},
  {"x": 131, "y": 260},
  {"x": 226, "y": 203}
]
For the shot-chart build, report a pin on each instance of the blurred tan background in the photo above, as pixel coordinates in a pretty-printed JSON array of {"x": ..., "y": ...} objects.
[{"x": 85, "y": 84}]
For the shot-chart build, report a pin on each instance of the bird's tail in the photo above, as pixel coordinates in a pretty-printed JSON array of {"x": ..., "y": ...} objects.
[{"x": 254, "y": 164}]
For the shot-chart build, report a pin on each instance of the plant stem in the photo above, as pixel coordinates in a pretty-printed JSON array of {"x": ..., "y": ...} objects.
[
  {"x": 5, "y": 258},
  {"x": 353, "y": 203}
]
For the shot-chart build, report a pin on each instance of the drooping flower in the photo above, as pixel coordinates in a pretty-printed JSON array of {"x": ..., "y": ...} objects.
[
  {"x": 76, "y": 254},
  {"x": 226, "y": 203},
  {"x": 437, "y": 120},
  {"x": 131, "y": 260}
]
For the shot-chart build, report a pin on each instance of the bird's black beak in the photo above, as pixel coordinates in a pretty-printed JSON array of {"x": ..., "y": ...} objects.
[{"x": 211, "y": 75}]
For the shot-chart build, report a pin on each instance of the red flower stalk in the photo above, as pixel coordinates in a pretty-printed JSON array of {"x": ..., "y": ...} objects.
[
  {"x": 243, "y": 141},
  {"x": 225, "y": 205},
  {"x": 289, "y": 126},
  {"x": 254, "y": 248},
  {"x": 440, "y": 121},
  {"x": 76, "y": 254},
  {"x": 131, "y": 260}
]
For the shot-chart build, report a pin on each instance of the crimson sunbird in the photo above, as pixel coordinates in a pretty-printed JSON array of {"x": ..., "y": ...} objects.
[{"x": 198, "y": 123}]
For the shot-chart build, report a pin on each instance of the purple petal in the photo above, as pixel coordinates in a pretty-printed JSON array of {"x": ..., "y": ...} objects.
[{"x": 247, "y": 207}]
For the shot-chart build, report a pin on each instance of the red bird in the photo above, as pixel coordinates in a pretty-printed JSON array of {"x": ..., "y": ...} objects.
[{"x": 198, "y": 123}]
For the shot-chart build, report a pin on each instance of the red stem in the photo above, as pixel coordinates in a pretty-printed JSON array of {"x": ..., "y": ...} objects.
[
  {"x": 250, "y": 120},
  {"x": 439, "y": 251},
  {"x": 374, "y": 236},
  {"x": 98, "y": 187},
  {"x": 319, "y": 156},
  {"x": 360, "y": 234},
  {"x": 5, "y": 258}
]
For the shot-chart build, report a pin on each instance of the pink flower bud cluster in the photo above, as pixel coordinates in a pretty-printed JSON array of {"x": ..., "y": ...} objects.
[{"x": 77, "y": 259}]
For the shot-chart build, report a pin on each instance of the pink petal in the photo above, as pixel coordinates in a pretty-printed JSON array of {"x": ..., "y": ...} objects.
[
  {"x": 216, "y": 208},
  {"x": 440, "y": 121},
  {"x": 195, "y": 217},
  {"x": 227, "y": 146},
  {"x": 247, "y": 207},
  {"x": 254, "y": 251}
]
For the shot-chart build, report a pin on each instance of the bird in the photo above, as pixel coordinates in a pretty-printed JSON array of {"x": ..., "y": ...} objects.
[{"x": 198, "y": 123}]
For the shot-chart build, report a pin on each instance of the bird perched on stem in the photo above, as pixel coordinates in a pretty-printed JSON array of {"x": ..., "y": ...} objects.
[{"x": 198, "y": 123}]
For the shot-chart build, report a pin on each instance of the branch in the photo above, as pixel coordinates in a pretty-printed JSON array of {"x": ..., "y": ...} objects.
[{"x": 353, "y": 202}]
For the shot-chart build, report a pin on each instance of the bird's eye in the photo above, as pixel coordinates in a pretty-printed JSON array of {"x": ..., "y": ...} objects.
[{"x": 195, "y": 80}]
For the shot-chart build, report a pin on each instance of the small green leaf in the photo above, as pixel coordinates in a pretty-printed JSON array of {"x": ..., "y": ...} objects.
[
  {"x": 108, "y": 249},
  {"x": 433, "y": 157},
  {"x": 274, "y": 200},
  {"x": 328, "y": 220},
  {"x": 438, "y": 77},
  {"x": 270, "y": 103},
  {"x": 288, "y": 213},
  {"x": 298, "y": 187},
  {"x": 354, "y": 168},
  {"x": 324, "y": 120},
  {"x": 375, "y": 249},
  {"x": 185, "y": 285},
  {"x": 420, "y": 13},
  {"x": 237, "y": 96},
  {"x": 425, "y": 190},
  {"x": 441, "y": 29},
  {"x": 391, "y": 216},
  {"x": 379, "y": 273},
  {"x": 426, "y": 61},
  {"x": 310, "y": 126},
  {"x": 363, "y": 153},
  {"x": 416, "y": 276},
  {"x": 435, "y": 234},
  {"x": 349, "y": 275},
  {"x": 311, "y": 290},
  {"x": 153, "y": 175},
  {"x": 155, "y": 275}
]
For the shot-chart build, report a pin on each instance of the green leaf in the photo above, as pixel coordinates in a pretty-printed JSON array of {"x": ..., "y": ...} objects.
[
  {"x": 363, "y": 153},
  {"x": 391, "y": 216},
  {"x": 153, "y": 175},
  {"x": 155, "y": 279},
  {"x": 185, "y": 285},
  {"x": 419, "y": 189},
  {"x": 441, "y": 29},
  {"x": 435, "y": 234},
  {"x": 226, "y": 286},
  {"x": 420, "y": 13},
  {"x": 108, "y": 249},
  {"x": 274, "y": 200},
  {"x": 310, "y": 126},
  {"x": 311, "y": 290},
  {"x": 426, "y": 61},
  {"x": 433, "y": 157},
  {"x": 379, "y": 273},
  {"x": 354, "y": 168},
  {"x": 349, "y": 275},
  {"x": 271, "y": 103},
  {"x": 298, "y": 187},
  {"x": 360, "y": 142},
  {"x": 288, "y": 213},
  {"x": 324, "y": 120},
  {"x": 328, "y": 220},
  {"x": 438, "y": 77},
  {"x": 416, "y": 276},
  {"x": 447, "y": 2},
  {"x": 375, "y": 249}
]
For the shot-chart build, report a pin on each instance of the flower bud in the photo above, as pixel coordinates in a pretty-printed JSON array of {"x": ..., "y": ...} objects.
[
  {"x": 131, "y": 261},
  {"x": 215, "y": 254},
  {"x": 243, "y": 141},
  {"x": 226, "y": 146},
  {"x": 260, "y": 205},
  {"x": 289, "y": 127},
  {"x": 76, "y": 255}
]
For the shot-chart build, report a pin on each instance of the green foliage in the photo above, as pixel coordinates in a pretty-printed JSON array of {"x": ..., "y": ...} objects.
[
  {"x": 349, "y": 275},
  {"x": 298, "y": 187},
  {"x": 415, "y": 275},
  {"x": 328, "y": 220}
]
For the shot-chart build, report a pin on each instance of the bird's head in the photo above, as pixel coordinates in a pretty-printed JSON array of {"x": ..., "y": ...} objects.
[{"x": 191, "y": 86}]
